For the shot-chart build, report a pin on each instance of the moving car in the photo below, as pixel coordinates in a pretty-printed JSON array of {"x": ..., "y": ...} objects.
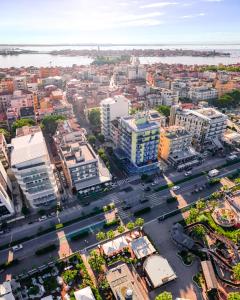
[
  {"x": 17, "y": 247},
  {"x": 188, "y": 173},
  {"x": 143, "y": 200},
  {"x": 126, "y": 207},
  {"x": 175, "y": 188},
  {"x": 42, "y": 218},
  {"x": 213, "y": 173}
]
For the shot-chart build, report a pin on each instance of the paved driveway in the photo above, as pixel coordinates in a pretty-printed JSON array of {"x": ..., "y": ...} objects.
[{"x": 183, "y": 286}]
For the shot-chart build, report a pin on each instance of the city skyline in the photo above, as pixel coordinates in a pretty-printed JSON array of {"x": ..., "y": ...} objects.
[{"x": 136, "y": 22}]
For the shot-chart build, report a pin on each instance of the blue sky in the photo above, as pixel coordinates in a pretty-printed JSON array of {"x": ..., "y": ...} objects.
[{"x": 120, "y": 21}]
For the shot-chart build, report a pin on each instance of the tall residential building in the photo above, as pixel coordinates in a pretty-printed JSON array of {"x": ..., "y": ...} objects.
[
  {"x": 4, "y": 152},
  {"x": 6, "y": 203},
  {"x": 32, "y": 167},
  {"x": 202, "y": 93},
  {"x": 84, "y": 170},
  {"x": 206, "y": 124},
  {"x": 169, "y": 97},
  {"x": 175, "y": 147},
  {"x": 111, "y": 109},
  {"x": 139, "y": 138}
]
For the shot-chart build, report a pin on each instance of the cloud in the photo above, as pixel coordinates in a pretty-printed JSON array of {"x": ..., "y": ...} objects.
[
  {"x": 213, "y": 0},
  {"x": 158, "y": 4},
  {"x": 193, "y": 16}
]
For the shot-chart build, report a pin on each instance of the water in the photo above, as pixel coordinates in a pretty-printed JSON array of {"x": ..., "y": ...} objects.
[{"x": 44, "y": 60}]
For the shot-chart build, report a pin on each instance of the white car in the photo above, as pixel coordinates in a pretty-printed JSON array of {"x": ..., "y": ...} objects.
[
  {"x": 42, "y": 218},
  {"x": 175, "y": 188},
  {"x": 17, "y": 247},
  {"x": 188, "y": 173}
]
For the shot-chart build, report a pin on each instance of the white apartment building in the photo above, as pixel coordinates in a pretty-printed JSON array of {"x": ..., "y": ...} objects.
[
  {"x": 32, "y": 167},
  {"x": 83, "y": 169},
  {"x": 19, "y": 83},
  {"x": 111, "y": 109},
  {"x": 6, "y": 203},
  {"x": 169, "y": 97},
  {"x": 202, "y": 93},
  {"x": 206, "y": 124},
  {"x": 4, "y": 151},
  {"x": 136, "y": 71}
]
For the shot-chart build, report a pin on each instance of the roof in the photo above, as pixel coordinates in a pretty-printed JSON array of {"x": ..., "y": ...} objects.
[
  {"x": 6, "y": 291},
  {"x": 47, "y": 298},
  {"x": 84, "y": 294},
  {"x": 209, "y": 275},
  {"x": 142, "y": 247},
  {"x": 28, "y": 147},
  {"x": 115, "y": 245},
  {"x": 158, "y": 270}
]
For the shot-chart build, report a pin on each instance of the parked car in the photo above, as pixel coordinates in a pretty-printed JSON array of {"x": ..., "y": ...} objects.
[
  {"x": 175, "y": 188},
  {"x": 42, "y": 218},
  {"x": 188, "y": 173},
  {"x": 147, "y": 189},
  {"x": 17, "y": 247},
  {"x": 126, "y": 207}
]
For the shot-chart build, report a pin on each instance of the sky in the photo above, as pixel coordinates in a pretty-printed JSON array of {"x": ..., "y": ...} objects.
[{"x": 119, "y": 21}]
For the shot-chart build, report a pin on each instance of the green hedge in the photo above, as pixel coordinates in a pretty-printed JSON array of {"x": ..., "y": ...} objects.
[
  {"x": 142, "y": 211},
  {"x": 214, "y": 181},
  {"x": 59, "y": 226},
  {"x": 45, "y": 250},
  {"x": 112, "y": 223},
  {"x": 171, "y": 199},
  {"x": 80, "y": 235}
]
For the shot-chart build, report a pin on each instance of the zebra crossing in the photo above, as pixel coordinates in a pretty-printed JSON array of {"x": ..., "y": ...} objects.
[{"x": 155, "y": 199}]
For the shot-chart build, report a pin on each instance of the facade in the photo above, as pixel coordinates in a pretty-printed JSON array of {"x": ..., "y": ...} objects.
[
  {"x": 6, "y": 203},
  {"x": 111, "y": 109},
  {"x": 32, "y": 167},
  {"x": 84, "y": 170},
  {"x": 139, "y": 138},
  {"x": 4, "y": 152},
  {"x": 169, "y": 97},
  {"x": 175, "y": 147},
  {"x": 203, "y": 93},
  {"x": 205, "y": 125}
]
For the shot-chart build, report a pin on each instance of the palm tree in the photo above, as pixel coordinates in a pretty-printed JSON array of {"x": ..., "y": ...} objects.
[
  {"x": 96, "y": 261},
  {"x": 164, "y": 296},
  {"x": 120, "y": 229},
  {"x": 110, "y": 234},
  {"x": 130, "y": 225},
  {"x": 100, "y": 236}
]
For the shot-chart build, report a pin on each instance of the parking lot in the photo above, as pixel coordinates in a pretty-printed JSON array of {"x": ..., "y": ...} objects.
[{"x": 183, "y": 286}]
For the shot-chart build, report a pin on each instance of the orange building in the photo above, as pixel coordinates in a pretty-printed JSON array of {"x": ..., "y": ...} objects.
[
  {"x": 6, "y": 85},
  {"x": 48, "y": 72}
]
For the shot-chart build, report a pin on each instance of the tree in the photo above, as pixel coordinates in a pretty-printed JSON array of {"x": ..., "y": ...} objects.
[
  {"x": 69, "y": 275},
  {"x": 23, "y": 122},
  {"x": 25, "y": 210},
  {"x": 100, "y": 236},
  {"x": 101, "y": 138},
  {"x": 139, "y": 222},
  {"x": 5, "y": 133},
  {"x": 120, "y": 229},
  {"x": 200, "y": 205},
  {"x": 50, "y": 123},
  {"x": 130, "y": 225},
  {"x": 92, "y": 139},
  {"x": 193, "y": 214},
  {"x": 96, "y": 261},
  {"x": 110, "y": 234},
  {"x": 164, "y": 296},
  {"x": 163, "y": 109},
  {"x": 233, "y": 296},
  {"x": 94, "y": 117},
  {"x": 236, "y": 271}
]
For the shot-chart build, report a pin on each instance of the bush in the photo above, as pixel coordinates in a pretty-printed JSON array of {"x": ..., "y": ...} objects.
[
  {"x": 111, "y": 223},
  {"x": 142, "y": 211},
  {"x": 45, "y": 250},
  {"x": 69, "y": 275},
  {"x": 33, "y": 290},
  {"x": 79, "y": 236}
]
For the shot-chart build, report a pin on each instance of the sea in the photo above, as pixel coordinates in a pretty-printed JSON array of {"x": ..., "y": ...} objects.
[{"x": 47, "y": 60}]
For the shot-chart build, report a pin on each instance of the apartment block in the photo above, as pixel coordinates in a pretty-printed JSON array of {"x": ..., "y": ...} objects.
[
  {"x": 175, "y": 147},
  {"x": 202, "y": 93},
  {"x": 84, "y": 170},
  {"x": 33, "y": 170},
  {"x": 4, "y": 152},
  {"x": 207, "y": 125},
  {"x": 111, "y": 109},
  {"x": 169, "y": 97},
  {"x": 138, "y": 145}
]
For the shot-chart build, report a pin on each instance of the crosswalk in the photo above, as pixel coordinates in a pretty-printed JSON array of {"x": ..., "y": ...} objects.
[{"x": 122, "y": 181}]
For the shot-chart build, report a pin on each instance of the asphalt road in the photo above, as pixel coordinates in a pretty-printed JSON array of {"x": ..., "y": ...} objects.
[{"x": 157, "y": 201}]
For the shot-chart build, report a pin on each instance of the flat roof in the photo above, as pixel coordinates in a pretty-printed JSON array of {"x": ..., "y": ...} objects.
[
  {"x": 28, "y": 147},
  {"x": 209, "y": 275},
  {"x": 115, "y": 245},
  {"x": 158, "y": 270},
  {"x": 142, "y": 247},
  {"x": 138, "y": 123}
]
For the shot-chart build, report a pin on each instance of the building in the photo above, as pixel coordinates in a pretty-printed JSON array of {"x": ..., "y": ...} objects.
[
  {"x": 32, "y": 167},
  {"x": 169, "y": 97},
  {"x": 19, "y": 83},
  {"x": 6, "y": 291},
  {"x": 125, "y": 283},
  {"x": 4, "y": 151},
  {"x": 6, "y": 203},
  {"x": 158, "y": 270},
  {"x": 138, "y": 145},
  {"x": 175, "y": 147},
  {"x": 84, "y": 170},
  {"x": 202, "y": 93},
  {"x": 111, "y": 109},
  {"x": 207, "y": 125},
  {"x": 84, "y": 294}
]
